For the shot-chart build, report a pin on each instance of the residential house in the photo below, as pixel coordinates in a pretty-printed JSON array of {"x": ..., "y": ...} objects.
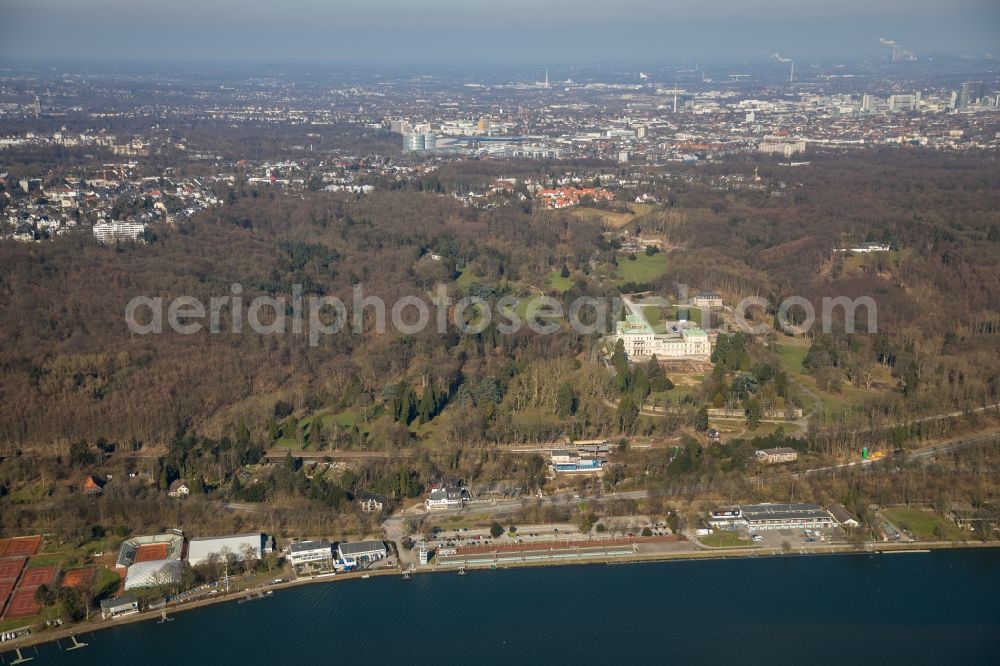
[
  {"x": 843, "y": 516},
  {"x": 92, "y": 486},
  {"x": 372, "y": 503},
  {"x": 781, "y": 454},
  {"x": 179, "y": 488},
  {"x": 446, "y": 497}
]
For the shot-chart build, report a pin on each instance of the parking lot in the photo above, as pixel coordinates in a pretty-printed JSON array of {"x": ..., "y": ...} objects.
[{"x": 800, "y": 539}]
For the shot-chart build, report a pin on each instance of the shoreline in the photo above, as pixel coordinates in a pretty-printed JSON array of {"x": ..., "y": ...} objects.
[{"x": 706, "y": 553}]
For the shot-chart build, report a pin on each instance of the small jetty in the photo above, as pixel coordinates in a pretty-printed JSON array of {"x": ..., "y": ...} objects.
[
  {"x": 20, "y": 658},
  {"x": 461, "y": 571},
  {"x": 258, "y": 594},
  {"x": 76, "y": 644},
  {"x": 164, "y": 618}
]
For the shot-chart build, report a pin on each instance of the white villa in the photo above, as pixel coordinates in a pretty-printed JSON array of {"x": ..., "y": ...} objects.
[{"x": 683, "y": 343}]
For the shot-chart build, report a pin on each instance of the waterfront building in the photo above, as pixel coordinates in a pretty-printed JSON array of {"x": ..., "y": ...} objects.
[
  {"x": 361, "y": 551},
  {"x": 239, "y": 546},
  {"x": 302, "y": 552},
  {"x": 154, "y": 573},
  {"x": 771, "y": 516},
  {"x": 726, "y": 518},
  {"x": 764, "y": 517},
  {"x": 119, "y": 606},
  {"x": 843, "y": 516}
]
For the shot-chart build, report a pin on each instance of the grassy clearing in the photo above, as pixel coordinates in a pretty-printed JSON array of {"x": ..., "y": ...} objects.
[
  {"x": 466, "y": 277},
  {"x": 654, "y": 315},
  {"x": 792, "y": 353},
  {"x": 922, "y": 524},
  {"x": 724, "y": 539},
  {"x": 557, "y": 282},
  {"x": 738, "y": 428},
  {"x": 643, "y": 269},
  {"x": 31, "y": 493},
  {"x": 521, "y": 309},
  {"x": 694, "y": 314},
  {"x": 612, "y": 219}
]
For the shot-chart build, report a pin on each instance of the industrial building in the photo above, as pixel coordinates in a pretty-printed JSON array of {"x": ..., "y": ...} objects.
[
  {"x": 239, "y": 546},
  {"x": 768, "y": 516},
  {"x": 762, "y": 517}
]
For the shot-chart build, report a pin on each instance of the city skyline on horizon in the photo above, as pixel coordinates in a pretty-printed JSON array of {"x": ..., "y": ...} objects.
[{"x": 432, "y": 32}]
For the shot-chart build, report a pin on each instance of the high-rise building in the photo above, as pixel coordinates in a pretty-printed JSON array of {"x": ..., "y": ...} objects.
[
  {"x": 966, "y": 95},
  {"x": 430, "y": 141},
  {"x": 867, "y": 103},
  {"x": 413, "y": 142},
  {"x": 902, "y": 103},
  {"x": 111, "y": 232}
]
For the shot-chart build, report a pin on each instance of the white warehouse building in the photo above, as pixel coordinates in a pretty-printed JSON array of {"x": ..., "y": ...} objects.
[{"x": 237, "y": 545}]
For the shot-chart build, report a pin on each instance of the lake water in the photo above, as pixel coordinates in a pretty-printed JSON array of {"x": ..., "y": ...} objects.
[{"x": 915, "y": 608}]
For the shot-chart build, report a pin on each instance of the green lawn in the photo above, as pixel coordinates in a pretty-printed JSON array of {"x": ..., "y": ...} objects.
[
  {"x": 643, "y": 269},
  {"x": 465, "y": 278},
  {"x": 694, "y": 314},
  {"x": 29, "y": 494},
  {"x": 521, "y": 309},
  {"x": 792, "y": 352},
  {"x": 559, "y": 283},
  {"x": 724, "y": 539},
  {"x": 730, "y": 427},
  {"x": 922, "y": 523},
  {"x": 654, "y": 315}
]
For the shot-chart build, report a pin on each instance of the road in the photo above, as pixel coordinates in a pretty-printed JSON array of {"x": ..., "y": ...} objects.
[
  {"x": 917, "y": 454},
  {"x": 394, "y": 525}
]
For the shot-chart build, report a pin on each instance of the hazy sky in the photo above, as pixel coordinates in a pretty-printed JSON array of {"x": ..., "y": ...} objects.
[{"x": 481, "y": 31}]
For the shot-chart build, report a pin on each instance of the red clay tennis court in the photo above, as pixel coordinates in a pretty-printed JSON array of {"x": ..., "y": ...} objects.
[
  {"x": 11, "y": 567},
  {"x": 22, "y": 604},
  {"x": 5, "y": 590},
  {"x": 35, "y": 576},
  {"x": 149, "y": 552},
  {"x": 20, "y": 546},
  {"x": 78, "y": 578}
]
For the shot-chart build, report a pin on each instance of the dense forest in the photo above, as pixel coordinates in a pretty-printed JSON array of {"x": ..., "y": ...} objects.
[
  {"x": 70, "y": 365},
  {"x": 76, "y": 385}
]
